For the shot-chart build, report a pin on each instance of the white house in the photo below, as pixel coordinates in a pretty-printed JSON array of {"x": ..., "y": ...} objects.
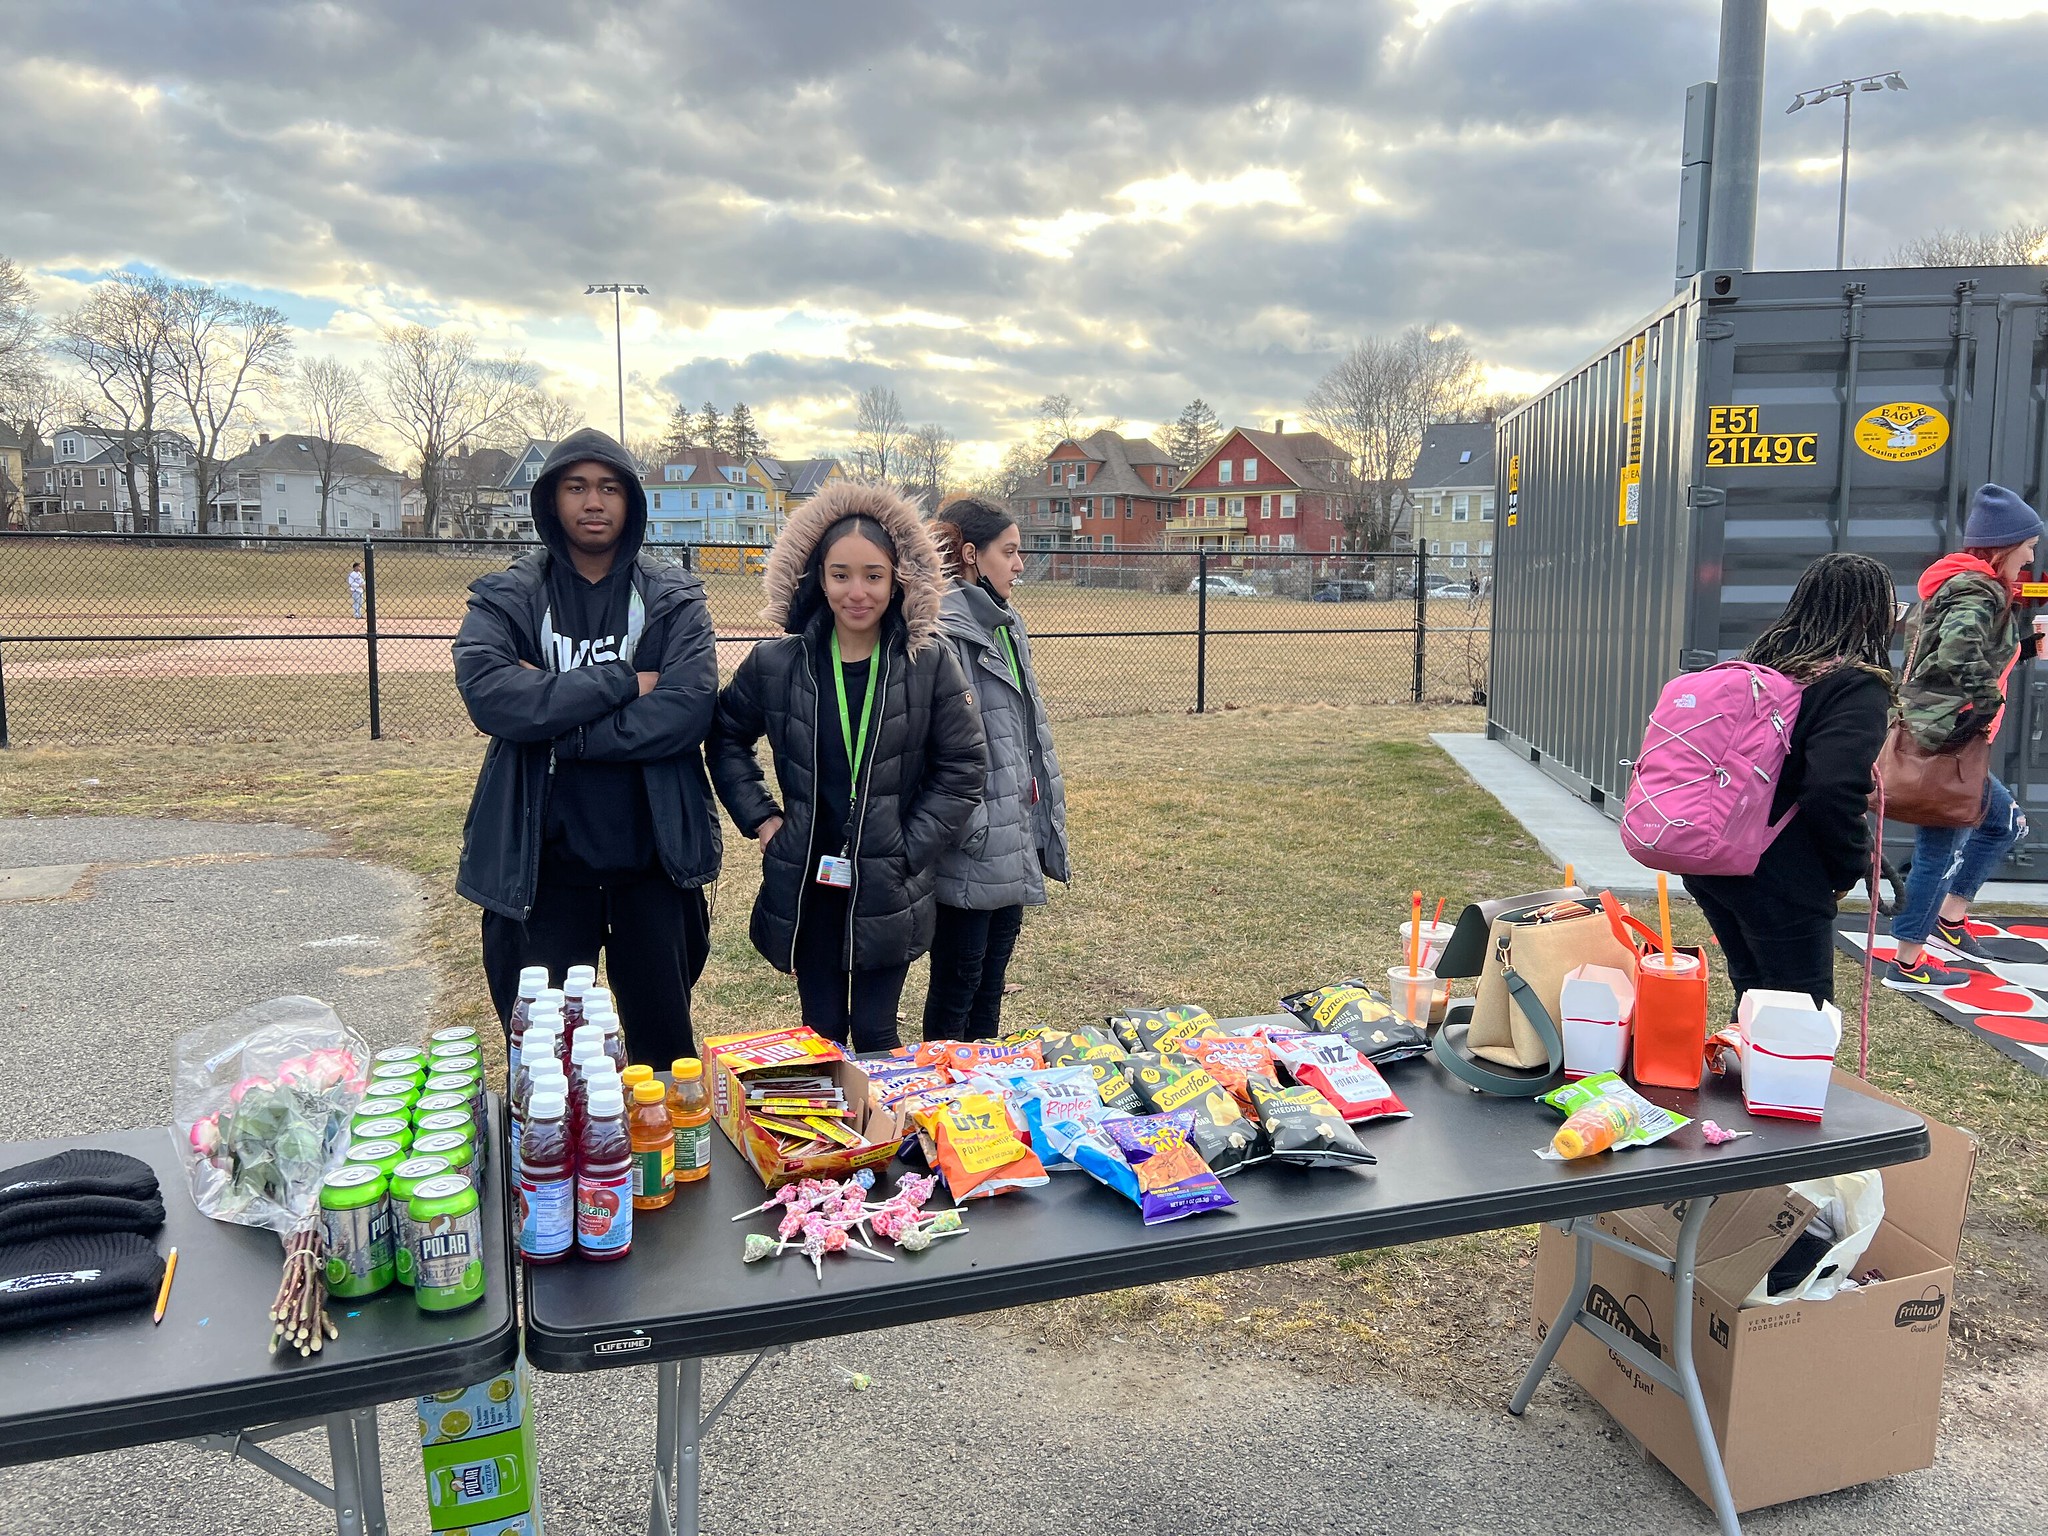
[{"x": 274, "y": 488}]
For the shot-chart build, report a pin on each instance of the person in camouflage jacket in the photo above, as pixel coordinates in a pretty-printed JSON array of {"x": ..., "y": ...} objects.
[{"x": 1960, "y": 653}]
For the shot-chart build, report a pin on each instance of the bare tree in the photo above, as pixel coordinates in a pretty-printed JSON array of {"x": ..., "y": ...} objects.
[
  {"x": 227, "y": 357},
  {"x": 650, "y": 453},
  {"x": 335, "y": 408},
  {"x": 440, "y": 398},
  {"x": 928, "y": 463},
  {"x": 1375, "y": 405},
  {"x": 2020, "y": 244},
  {"x": 546, "y": 416},
  {"x": 20, "y": 329},
  {"x": 878, "y": 430},
  {"x": 1014, "y": 475},
  {"x": 119, "y": 339}
]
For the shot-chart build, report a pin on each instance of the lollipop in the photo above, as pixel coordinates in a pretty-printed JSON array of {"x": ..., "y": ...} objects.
[
  {"x": 760, "y": 1246},
  {"x": 916, "y": 1187}
]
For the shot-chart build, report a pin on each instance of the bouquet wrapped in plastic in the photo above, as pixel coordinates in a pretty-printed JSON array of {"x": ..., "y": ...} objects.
[{"x": 262, "y": 1103}]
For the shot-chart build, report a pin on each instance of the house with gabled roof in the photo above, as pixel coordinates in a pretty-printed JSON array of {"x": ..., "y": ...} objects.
[
  {"x": 274, "y": 488},
  {"x": 1450, "y": 494},
  {"x": 706, "y": 496},
  {"x": 1271, "y": 491},
  {"x": 789, "y": 483},
  {"x": 1104, "y": 491}
]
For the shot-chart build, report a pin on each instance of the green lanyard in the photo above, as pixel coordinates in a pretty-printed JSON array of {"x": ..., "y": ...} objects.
[
  {"x": 856, "y": 749},
  {"x": 1010, "y": 654}
]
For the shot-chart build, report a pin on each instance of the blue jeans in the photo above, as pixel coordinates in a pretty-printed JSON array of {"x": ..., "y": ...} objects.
[{"x": 1956, "y": 861}]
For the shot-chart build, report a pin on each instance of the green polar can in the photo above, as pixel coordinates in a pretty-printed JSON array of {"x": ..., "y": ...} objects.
[
  {"x": 381, "y": 1128},
  {"x": 438, "y": 1103},
  {"x": 380, "y": 1155},
  {"x": 453, "y": 1145},
  {"x": 454, "y": 1034},
  {"x": 413, "y": 1072},
  {"x": 459, "y": 1066},
  {"x": 357, "y": 1219},
  {"x": 401, "y": 1055},
  {"x": 453, "y": 1082},
  {"x": 406, "y": 1179},
  {"x": 448, "y": 1259},
  {"x": 398, "y": 1092},
  {"x": 448, "y": 1120},
  {"x": 444, "y": 1050}
]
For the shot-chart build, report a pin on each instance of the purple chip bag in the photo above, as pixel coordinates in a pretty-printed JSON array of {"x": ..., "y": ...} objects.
[{"x": 1173, "y": 1181}]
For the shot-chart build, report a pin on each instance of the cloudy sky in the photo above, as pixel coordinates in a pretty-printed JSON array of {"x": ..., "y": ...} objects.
[{"x": 975, "y": 203}]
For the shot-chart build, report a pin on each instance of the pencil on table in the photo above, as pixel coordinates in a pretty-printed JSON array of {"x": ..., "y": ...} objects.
[{"x": 163, "y": 1296}]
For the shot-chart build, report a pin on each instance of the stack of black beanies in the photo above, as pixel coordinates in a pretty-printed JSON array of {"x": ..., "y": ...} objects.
[{"x": 73, "y": 1237}]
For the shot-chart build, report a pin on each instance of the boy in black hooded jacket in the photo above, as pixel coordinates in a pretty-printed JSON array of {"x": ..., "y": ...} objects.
[{"x": 593, "y": 668}]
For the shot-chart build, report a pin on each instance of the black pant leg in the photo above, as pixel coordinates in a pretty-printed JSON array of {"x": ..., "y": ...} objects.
[
  {"x": 985, "y": 1014},
  {"x": 821, "y": 983},
  {"x": 656, "y": 939},
  {"x": 875, "y": 996},
  {"x": 959, "y": 949},
  {"x": 1770, "y": 943},
  {"x": 565, "y": 928},
  {"x": 1730, "y": 931}
]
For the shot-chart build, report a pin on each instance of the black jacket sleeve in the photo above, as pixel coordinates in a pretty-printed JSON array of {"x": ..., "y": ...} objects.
[
  {"x": 956, "y": 765},
  {"x": 671, "y": 718},
  {"x": 522, "y": 703},
  {"x": 735, "y": 766},
  {"x": 1841, "y": 746}
]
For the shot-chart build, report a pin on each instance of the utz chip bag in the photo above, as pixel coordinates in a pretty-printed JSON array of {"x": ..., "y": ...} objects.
[
  {"x": 1230, "y": 1059},
  {"x": 1113, "y": 1085},
  {"x": 1304, "y": 1128},
  {"x": 1224, "y": 1137},
  {"x": 1057, "y": 1095},
  {"x": 896, "y": 1081},
  {"x": 978, "y": 1150},
  {"x": 963, "y": 1057},
  {"x": 1330, "y": 1065},
  {"x": 1348, "y": 1008},
  {"x": 1160, "y": 1029},
  {"x": 1173, "y": 1181},
  {"x": 932, "y": 1053}
]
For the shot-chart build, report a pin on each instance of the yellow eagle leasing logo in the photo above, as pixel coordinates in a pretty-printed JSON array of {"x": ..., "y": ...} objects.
[{"x": 1902, "y": 430}]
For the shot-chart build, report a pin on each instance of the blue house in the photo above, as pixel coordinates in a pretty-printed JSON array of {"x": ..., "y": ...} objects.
[{"x": 705, "y": 496}]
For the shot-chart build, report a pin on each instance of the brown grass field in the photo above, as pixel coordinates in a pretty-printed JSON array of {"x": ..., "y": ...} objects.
[{"x": 114, "y": 642}]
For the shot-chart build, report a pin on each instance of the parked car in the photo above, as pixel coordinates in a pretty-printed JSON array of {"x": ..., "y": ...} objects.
[
  {"x": 1344, "y": 590},
  {"x": 1223, "y": 586},
  {"x": 1450, "y": 589}
]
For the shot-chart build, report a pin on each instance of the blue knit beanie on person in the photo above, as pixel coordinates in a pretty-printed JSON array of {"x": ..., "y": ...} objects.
[{"x": 1998, "y": 519}]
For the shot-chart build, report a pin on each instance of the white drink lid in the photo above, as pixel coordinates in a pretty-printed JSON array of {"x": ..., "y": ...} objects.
[
  {"x": 605, "y": 1099},
  {"x": 533, "y": 981},
  {"x": 546, "y": 1106},
  {"x": 579, "y": 980}
]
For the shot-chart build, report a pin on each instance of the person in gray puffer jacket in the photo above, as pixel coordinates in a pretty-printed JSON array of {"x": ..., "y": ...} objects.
[{"x": 1018, "y": 834}]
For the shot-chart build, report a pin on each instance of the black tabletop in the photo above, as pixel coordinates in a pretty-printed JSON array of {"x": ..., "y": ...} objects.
[
  {"x": 1464, "y": 1163},
  {"x": 116, "y": 1380}
]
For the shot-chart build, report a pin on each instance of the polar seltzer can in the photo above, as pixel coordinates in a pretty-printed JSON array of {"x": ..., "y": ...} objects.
[
  {"x": 448, "y": 1253},
  {"x": 358, "y": 1226},
  {"x": 406, "y": 1179}
]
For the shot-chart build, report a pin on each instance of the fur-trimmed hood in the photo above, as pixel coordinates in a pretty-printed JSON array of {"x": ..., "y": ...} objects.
[{"x": 920, "y": 572}]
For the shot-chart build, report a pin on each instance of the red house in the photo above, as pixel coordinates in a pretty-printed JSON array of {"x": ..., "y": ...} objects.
[
  {"x": 1103, "y": 491},
  {"x": 1270, "y": 491}
]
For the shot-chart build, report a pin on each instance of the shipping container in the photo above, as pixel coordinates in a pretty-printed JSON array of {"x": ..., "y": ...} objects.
[{"x": 1661, "y": 499}]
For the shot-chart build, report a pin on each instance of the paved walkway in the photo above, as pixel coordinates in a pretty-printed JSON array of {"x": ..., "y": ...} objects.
[{"x": 970, "y": 1426}]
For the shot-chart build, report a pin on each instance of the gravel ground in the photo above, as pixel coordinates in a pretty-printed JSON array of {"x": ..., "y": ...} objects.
[{"x": 968, "y": 1426}]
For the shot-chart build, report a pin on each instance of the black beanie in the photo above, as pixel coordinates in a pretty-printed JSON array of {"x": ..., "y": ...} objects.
[
  {"x": 56, "y": 1278},
  {"x": 86, "y": 1189}
]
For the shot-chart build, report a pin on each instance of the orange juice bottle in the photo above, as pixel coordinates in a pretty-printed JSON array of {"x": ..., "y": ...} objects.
[
  {"x": 689, "y": 1113},
  {"x": 654, "y": 1148}
]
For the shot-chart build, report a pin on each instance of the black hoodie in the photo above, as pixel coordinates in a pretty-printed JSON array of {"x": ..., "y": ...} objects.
[{"x": 554, "y": 719}]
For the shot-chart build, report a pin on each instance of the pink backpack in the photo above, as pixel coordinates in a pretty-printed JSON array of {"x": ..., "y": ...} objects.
[{"x": 1699, "y": 800}]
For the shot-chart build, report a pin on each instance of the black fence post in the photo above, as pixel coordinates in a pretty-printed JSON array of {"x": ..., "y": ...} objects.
[
  {"x": 1201, "y": 630},
  {"x": 370, "y": 636},
  {"x": 3, "y": 707},
  {"x": 1421, "y": 610}
]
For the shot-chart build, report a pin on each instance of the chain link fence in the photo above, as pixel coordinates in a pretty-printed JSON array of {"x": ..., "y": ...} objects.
[{"x": 109, "y": 637}]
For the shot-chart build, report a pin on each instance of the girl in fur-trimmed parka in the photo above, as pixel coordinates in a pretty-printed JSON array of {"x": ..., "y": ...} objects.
[{"x": 878, "y": 749}]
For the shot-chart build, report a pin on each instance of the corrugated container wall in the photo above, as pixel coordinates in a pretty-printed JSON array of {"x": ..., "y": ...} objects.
[{"x": 1662, "y": 499}]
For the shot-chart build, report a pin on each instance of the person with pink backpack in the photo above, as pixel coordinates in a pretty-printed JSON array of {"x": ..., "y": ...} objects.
[{"x": 1806, "y": 840}]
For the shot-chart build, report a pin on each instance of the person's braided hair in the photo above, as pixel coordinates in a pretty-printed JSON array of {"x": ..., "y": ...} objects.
[{"x": 1840, "y": 612}]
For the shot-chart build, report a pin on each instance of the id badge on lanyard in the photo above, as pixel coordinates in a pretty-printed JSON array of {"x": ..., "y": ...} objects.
[{"x": 836, "y": 870}]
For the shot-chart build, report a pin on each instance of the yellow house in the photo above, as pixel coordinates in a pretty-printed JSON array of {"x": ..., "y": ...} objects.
[
  {"x": 13, "y": 480},
  {"x": 791, "y": 482}
]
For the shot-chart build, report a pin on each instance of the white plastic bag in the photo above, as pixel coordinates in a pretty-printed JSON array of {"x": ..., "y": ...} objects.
[
  {"x": 1851, "y": 1205},
  {"x": 262, "y": 1103}
]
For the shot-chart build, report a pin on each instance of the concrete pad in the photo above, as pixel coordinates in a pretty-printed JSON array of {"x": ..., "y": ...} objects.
[
  {"x": 1572, "y": 832},
  {"x": 40, "y": 882},
  {"x": 132, "y": 839},
  {"x": 1566, "y": 828}
]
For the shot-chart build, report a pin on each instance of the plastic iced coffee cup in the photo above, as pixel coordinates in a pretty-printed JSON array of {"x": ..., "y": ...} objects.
[
  {"x": 1679, "y": 967},
  {"x": 1434, "y": 937},
  {"x": 1413, "y": 994}
]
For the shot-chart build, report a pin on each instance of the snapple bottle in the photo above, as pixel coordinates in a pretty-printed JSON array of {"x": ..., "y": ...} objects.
[{"x": 547, "y": 1182}]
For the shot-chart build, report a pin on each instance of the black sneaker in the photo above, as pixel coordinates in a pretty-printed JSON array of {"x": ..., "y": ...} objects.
[
  {"x": 1957, "y": 937},
  {"x": 1923, "y": 975}
]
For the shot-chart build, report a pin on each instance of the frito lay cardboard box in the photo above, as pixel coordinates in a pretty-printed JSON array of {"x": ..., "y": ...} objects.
[
  {"x": 1788, "y": 1053},
  {"x": 736, "y": 1057},
  {"x": 1805, "y": 1397},
  {"x": 482, "y": 1470}
]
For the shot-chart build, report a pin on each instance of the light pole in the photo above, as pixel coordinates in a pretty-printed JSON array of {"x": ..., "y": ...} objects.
[
  {"x": 1891, "y": 80},
  {"x": 619, "y": 331}
]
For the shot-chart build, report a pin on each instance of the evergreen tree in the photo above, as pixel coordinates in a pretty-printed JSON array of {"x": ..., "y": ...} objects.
[
  {"x": 711, "y": 427},
  {"x": 1194, "y": 436},
  {"x": 742, "y": 438},
  {"x": 680, "y": 434}
]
